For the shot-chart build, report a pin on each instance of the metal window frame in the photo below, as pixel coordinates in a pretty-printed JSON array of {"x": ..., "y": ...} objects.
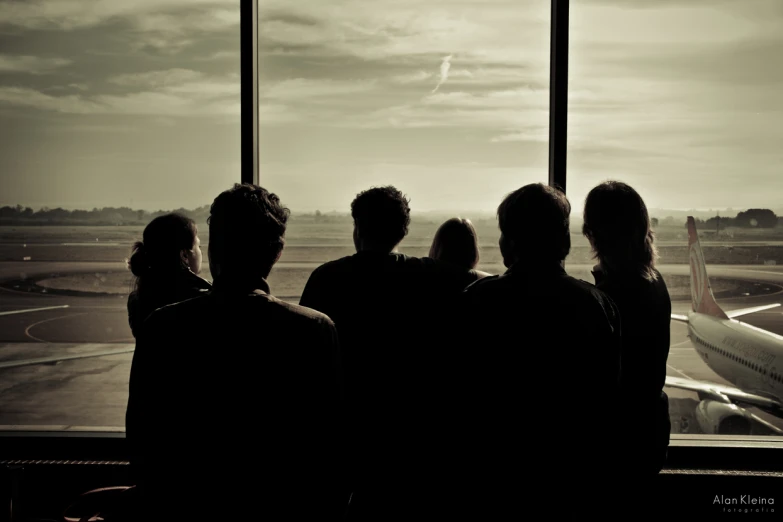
[
  {"x": 558, "y": 92},
  {"x": 558, "y": 133},
  {"x": 248, "y": 36}
]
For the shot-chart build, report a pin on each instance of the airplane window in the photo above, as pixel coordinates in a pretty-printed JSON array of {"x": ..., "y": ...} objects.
[
  {"x": 676, "y": 99},
  {"x": 416, "y": 95},
  {"x": 111, "y": 117}
]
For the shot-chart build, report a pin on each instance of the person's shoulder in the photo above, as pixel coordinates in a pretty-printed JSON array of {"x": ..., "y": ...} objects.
[
  {"x": 340, "y": 265},
  {"x": 582, "y": 286},
  {"x": 187, "y": 311},
  {"x": 487, "y": 284},
  {"x": 300, "y": 314},
  {"x": 588, "y": 292}
]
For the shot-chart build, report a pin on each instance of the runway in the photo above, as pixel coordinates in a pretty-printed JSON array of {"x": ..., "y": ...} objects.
[{"x": 65, "y": 360}]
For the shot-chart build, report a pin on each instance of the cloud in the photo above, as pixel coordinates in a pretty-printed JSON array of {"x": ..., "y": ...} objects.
[
  {"x": 77, "y": 14},
  {"x": 414, "y": 77},
  {"x": 301, "y": 88},
  {"x": 31, "y": 64},
  {"x": 444, "y": 72},
  {"x": 164, "y": 26},
  {"x": 478, "y": 32},
  {"x": 220, "y": 55},
  {"x": 172, "y": 93},
  {"x": 538, "y": 134},
  {"x": 26, "y": 97},
  {"x": 158, "y": 78}
]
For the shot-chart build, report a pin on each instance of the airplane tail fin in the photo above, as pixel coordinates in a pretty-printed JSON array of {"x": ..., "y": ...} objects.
[{"x": 702, "y": 299}]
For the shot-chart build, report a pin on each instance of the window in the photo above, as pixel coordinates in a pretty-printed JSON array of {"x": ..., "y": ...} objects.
[
  {"x": 109, "y": 115},
  {"x": 112, "y": 115},
  {"x": 449, "y": 103},
  {"x": 681, "y": 101}
]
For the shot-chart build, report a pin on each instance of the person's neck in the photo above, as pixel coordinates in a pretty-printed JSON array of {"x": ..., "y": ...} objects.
[
  {"x": 375, "y": 249},
  {"x": 528, "y": 263},
  {"x": 241, "y": 282}
]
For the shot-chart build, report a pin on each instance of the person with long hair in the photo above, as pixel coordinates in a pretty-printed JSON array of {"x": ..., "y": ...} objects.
[
  {"x": 456, "y": 243},
  {"x": 166, "y": 263},
  {"x": 618, "y": 227}
]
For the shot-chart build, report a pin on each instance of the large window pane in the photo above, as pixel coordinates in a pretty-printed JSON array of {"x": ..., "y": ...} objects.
[
  {"x": 446, "y": 100},
  {"x": 681, "y": 100},
  {"x": 110, "y": 113}
]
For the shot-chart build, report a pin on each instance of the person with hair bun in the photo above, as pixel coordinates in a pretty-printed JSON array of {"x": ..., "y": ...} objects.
[{"x": 166, "y": 263}]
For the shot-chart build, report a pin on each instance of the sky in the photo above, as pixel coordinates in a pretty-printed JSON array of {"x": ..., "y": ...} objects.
[{"x": 116, "y": 103}]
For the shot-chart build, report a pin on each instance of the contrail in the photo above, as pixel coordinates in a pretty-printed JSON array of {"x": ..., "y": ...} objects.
[{"x": 444, "y": 72}]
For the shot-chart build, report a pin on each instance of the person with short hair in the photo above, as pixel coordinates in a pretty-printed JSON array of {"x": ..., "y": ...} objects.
[
  {"x": 537, "y": 367},
  {"x": 391, "y": 312},
  {"x": 235, "y": 406}
]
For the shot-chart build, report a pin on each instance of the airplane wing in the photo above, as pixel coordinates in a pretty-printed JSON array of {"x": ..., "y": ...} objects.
[
  {"x": 728, "y": 394},
  {"x": 744, "y": 311}
]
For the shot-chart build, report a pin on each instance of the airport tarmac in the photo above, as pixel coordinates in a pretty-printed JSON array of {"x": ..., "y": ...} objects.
[{"x": 65, "y": 360}]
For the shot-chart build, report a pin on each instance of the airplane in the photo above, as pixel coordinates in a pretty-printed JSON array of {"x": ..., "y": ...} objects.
[{"x": 747, "y": 356}]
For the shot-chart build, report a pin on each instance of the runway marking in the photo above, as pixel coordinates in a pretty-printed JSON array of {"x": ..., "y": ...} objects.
[
  {"x": 33, "y": 310},
  {"x": 34, "y": 338},
  {"x": 44, "y": 360},
  {"x": 680, "y": 372}
]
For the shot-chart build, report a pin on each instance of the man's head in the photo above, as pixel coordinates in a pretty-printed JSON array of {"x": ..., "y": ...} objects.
[
  {"x": 381, "y": 217},
  {"x": 534, "y": 225},
  {"x": 246, "y": 232}
]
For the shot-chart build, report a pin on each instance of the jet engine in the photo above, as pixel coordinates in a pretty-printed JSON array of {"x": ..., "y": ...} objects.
[{"x": 719, "y": 418}]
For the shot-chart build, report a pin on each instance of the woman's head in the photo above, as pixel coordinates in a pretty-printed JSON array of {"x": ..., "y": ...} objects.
[
  {"x": 456, "y": 242},
  {"x": 618, "y": 227},
  {"x": 170, "y": 242}
]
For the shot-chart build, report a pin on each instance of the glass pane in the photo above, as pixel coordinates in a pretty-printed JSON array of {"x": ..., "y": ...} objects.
[
  {"x": 109, "y": 115},
  {"x": 447, "y": 101},
  {"x": 682, "y": 102}
]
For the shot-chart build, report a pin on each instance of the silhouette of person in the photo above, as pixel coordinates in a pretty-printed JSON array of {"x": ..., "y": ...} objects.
[
  {"x": 390, "y": 310},
  {"x": 456, "y": 242},
  {"x": 235, "y": 406},
  {"x": 537, "y": 371},
  {"x": 617, "y": 224},
  {"x": 166, "y": 264}
]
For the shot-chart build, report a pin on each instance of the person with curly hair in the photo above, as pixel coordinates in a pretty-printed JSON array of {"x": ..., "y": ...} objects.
[{"x": 391, "y": 312}]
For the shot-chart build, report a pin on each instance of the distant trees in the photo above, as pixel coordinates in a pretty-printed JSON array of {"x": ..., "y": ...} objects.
[
  {"x": 751, "y": 218},
  {"x": 756, "y": 218},
  {"x": 20, "y": 216},
  {"x": 654, "y": 222},
  {"x": 119, "y": 216}
]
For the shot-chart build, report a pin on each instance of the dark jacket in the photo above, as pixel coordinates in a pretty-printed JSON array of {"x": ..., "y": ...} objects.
[
  {"x": 235, "y": 406},
  {"x": 390, "y": 311},
  {"x": 156, "y": 291},
  {"x": 536, "y": 369},
  {"x": 645, "y": 307}
]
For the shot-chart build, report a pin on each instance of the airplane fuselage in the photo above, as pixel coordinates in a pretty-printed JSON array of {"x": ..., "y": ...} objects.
[{"x": 746, "y": 356}]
